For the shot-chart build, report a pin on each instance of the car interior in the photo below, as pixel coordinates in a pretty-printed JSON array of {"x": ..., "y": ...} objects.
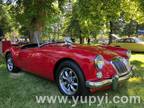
[{"x": 34, "y": 45}]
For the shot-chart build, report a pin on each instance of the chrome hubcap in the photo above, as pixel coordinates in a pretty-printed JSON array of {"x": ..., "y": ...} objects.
[
  {"x": 10, "y": 64},
  {"x": 68, "y": 81}
]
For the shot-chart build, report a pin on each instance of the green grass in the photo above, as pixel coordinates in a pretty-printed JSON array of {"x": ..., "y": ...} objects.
[{"x": 19, "y": 91}]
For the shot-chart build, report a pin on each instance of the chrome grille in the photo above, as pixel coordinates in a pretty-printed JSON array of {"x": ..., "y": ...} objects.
[{"x": 120, "y": 67}]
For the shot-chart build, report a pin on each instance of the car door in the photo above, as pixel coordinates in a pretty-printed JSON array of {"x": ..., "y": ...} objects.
[
  {"x": 126, "y": 43},
  {"x": 117, "y": 43},
  {"x": 133, "y": 45},
  {"x": 130, "y": 44},
  {"x": 121, "y": 43},
  {"x": 41, "y": 61},
  {"x": 24, "y": 60},
  {"x": 136, "y": 46}
]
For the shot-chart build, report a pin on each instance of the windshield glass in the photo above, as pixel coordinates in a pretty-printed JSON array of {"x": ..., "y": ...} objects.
[{"x": 67, "y": 39}]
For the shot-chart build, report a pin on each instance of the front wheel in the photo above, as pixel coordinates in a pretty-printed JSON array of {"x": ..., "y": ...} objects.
[{"x": 70, "y": 80}]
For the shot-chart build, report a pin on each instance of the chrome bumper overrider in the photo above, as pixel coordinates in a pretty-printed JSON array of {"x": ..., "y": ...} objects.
[{"x": 107, "y": 82}]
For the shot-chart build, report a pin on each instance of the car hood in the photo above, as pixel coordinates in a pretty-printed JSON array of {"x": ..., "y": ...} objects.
[{"x": 96, "y": 50}]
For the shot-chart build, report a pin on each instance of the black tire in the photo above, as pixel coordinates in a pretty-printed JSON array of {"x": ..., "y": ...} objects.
[
  {"x": 13, "y": 68},
  {"x": 81, "y": 89}
]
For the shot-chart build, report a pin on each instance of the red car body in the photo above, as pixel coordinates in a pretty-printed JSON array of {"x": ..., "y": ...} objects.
[
  {"x": 120, "y": 51},
  {"x": 44, "y": 60},
  {"x": 5, "y": 45}
]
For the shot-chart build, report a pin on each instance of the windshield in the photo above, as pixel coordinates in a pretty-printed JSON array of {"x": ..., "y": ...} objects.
[{"x": 44, "y": 41}]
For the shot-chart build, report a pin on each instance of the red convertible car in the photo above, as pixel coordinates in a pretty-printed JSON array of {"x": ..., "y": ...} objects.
[{"x": 77, "y": 69}]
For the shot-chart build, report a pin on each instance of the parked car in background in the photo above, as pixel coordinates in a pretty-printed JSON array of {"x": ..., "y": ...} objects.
[
  {"x": 105, "y": 41},
  {"x": 77, "y": 69},
  {"x": 132, "y": 43}
]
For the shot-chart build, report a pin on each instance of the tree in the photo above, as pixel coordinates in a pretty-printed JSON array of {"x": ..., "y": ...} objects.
[
  {"x": 33, "y": 14},
  {"x": 87, "y": 16},
  {"x": 94, "y": 15},
  {"x": 7, "y": 22},
  {"x": 130, "y": 28}
]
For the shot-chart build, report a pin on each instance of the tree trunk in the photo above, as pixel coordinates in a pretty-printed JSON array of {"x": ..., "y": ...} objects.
[
  {"x": 111, "y": 32},
  {"x": 36, "y": 29},
  {"x": 0, "y": 47},
  {"x": 88, "y": 41},
  {"x": 31, "y": 36},
  {"x": 137, "y": 27},
  {"x": 81, "y": 40},
  {"x": 1, "y": 34},
  {"x": 35, "y": 36}
]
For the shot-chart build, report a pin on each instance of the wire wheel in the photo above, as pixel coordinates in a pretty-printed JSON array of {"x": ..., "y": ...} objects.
[{"x": 68, "y": 81}]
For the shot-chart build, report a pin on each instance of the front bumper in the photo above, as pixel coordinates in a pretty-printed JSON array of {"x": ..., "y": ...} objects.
[{"x": 115, "y": 80}]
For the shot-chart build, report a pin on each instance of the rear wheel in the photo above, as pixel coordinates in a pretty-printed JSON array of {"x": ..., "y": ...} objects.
[
  {"x": 10, "y": 64},
  {"x": 70, "y": 79}
]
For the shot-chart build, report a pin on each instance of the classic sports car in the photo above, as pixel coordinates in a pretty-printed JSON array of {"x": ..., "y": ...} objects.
[
  {"x": 132, "y": 43},
  {"x": 77, "y": 69}
]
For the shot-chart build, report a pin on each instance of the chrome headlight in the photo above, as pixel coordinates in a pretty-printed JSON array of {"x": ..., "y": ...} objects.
[
  {"x": 128, "y": 53},
  {"x": 99, "y": 61}
]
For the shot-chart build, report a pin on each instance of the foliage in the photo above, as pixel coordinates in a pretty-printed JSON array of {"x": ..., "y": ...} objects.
[
  {"x": 131, "y": 28},
  {"x": 35, "y": 15},
  {"x": 88, "y": 18},
  {"x": 115, "y": 16},
  {"x": 7, "y": 22},
  {"x": 30, "y": 12},
  {"x": 94, "y": 14}
]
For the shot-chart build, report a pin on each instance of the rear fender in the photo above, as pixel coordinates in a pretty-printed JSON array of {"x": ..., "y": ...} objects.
[{"x": 5, "y": 46}]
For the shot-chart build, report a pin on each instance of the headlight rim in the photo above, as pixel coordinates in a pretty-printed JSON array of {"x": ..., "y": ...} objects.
[{"x": 97, "y": 59}]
